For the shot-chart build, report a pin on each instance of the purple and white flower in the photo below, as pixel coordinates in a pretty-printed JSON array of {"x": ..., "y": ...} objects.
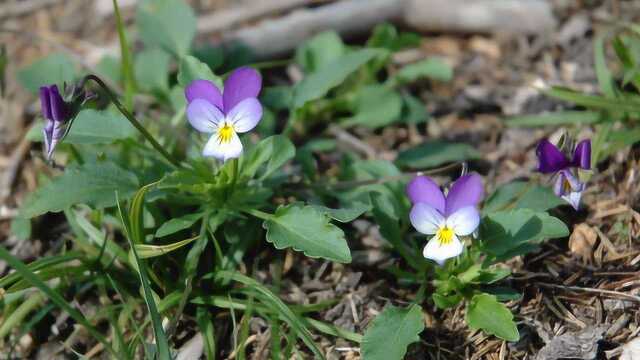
[
  {"x": 56, "y": 113},
  {"x": 552, "y": 161},
  {"x": 447, "y": 217},
  {"x": 225, "y": 114}
]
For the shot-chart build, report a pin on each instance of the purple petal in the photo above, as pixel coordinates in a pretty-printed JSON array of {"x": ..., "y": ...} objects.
[
  {"x": 243, "y": 83},
  {"x": 204, "y": 89},
  {"x": 421, "y": 189},
  {"x": 59, "y": 111},
  {"x": 246, "y": 115},
  {"x": 45, "y": 106},
  {"x": 550, "y": 158},
  {"x": 558, "y": 187},
  {"x": 582, "y": 155},
  {"x": 204, "y": 116},
  {"x": 47, "y": 134},
  {"x": 466, "y": 191}
]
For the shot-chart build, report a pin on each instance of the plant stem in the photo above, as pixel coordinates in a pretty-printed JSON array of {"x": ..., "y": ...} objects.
[
  {"x": 133, "y": 121},
  {"x": 125, "y": 54}
]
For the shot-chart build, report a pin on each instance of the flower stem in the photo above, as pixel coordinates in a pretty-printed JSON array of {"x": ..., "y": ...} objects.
[{"x": 133, "y": 121}]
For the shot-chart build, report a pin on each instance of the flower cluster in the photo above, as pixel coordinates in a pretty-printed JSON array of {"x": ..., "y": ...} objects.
[
  {"x": 225, "y": 114},
  {"x": 552, "y": 161},
  {"x": 448, "y": 217}
]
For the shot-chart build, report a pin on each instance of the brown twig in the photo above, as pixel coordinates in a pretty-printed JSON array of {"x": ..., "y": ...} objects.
[{"x": 591, "y": 290}]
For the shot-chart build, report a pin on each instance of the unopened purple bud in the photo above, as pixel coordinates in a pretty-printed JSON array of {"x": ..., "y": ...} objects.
[{"x": 56, "y": 113}]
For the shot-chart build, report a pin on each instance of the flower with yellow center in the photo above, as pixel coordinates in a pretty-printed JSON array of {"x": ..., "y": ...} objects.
[
  {"x": 225, "y": 114},
  {"x": 446, "y": 218}
]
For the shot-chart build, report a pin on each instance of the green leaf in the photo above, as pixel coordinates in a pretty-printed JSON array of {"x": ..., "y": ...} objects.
[
  {"x": 446, "y": 301},
  {"x": 605, "y": 78},
  {"x": 522, "y": 194},
  {"x": 53, "y": 69},
  {"x": 391, "y": 332},
  {"x": 486, "y": 313},
  {"x": 192, "y": 69},
  {"x": 432, "y": 68},
  {"x": 92, "y": 184},
  {"x": 21, "y": 228},
  {"x": 273, "y": 151},
  {"x": 134, "y": 232},
  {"x": 318, "y": 83},
  {"x": 555, "y": 119},
  {"x": 375, "y": 106},
  {"x": 386, "y": 36},
  {"x": 152, "y": 69},
  {"x": 319, "y": 51},
  {"x": 148, "y": 251},
  {"x": 504, "y": 231},
  {"x": 413, "y": 110},
  {"x": 345, "y": 215},
  {"x": 169, "y": 24},
  {"x": 92, "y": 127},
  {"x": 503, "y": 293},
  {"x": 629, "y": 104},
  {"x": 176, "y": 224},
  {"x": 435, "y": 153},
  {"x": 308, "y": 230}
]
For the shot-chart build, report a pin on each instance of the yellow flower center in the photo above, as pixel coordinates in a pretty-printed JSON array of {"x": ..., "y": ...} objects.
[
  {"x": 225, "y": 133},
  {"x": 566, "y": 186},
  {"x": 445, "y": 235}
]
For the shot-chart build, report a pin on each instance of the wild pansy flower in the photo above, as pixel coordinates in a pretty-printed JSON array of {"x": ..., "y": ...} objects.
[
  {"x": 447, "y": 217},
  {"x": 552, "y": 161},
  {"x": 225, "y": 114},
  {"x": 56, "y": 113}
]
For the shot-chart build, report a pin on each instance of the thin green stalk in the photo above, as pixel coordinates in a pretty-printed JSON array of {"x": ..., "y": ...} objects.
[
  {"x": 125, "y": 56},
  {"x": 55, "y": 297},
  {"x": 133, "y": 121},
  {"x": 31, "y": 303}
]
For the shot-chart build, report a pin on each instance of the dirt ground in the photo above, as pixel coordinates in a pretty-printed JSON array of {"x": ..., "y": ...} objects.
[{"x": 581, "y": 292}]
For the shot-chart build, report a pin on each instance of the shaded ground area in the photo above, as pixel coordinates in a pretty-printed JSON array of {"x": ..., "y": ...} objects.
[{"x": 587, "y": 285}]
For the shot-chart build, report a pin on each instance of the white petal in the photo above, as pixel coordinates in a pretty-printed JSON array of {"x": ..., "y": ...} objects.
[
  {"x": 223, "y": 151},
  {"x": 464, "y": 221},
  {"x": 425, "y": 218},
  {"x": 204, "y": 116},
  {"x": 439, "y": 253},
  {"x": 573, "y": 198},
  {"x": 246, "y": 115}
]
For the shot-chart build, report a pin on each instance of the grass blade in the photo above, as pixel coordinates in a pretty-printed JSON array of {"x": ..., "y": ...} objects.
[
  {"x": 54, "y": 296},
  {"x": 289, "y": 316},
  {"x": 133, "y": 224},
  {"x": 127, "y": 63}
]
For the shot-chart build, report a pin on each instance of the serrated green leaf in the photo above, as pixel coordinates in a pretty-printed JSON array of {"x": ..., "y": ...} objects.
[
  {"x": 555, "y": 119},
  {"x": 92, "y": 184},
  {"x": 53, "y": 69},
  {"x": 192, "y": 69},
  {"x": 486, "y": 313},
  {"x": 521, "y": 194},
  {"x": 170, "y": 24},
  {"x": 308, "y": 230},
  {"x": 504, "y": 231},
  {"x": 151, "y": 69},
  {"x": 318, "y": 83},
  {"x": 375, "y": 106},
  {"x": 436, "y": 153},
  {"x": 391, "y": 332},
  {"x": 320, "y": 51}
]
